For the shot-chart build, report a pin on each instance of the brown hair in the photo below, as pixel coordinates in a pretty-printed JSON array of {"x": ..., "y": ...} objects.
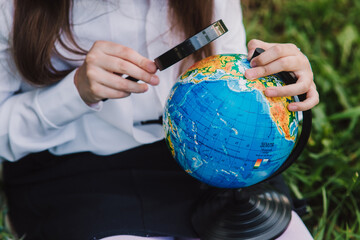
[
  {"x": 190, "y": 17},
  {"x": 39, "y": 24}
]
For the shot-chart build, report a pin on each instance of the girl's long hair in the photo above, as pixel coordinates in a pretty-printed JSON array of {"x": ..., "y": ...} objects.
[{"x": 39, "y": 24}]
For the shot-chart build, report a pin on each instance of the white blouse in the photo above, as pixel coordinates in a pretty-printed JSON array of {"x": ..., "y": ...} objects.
[{"x": 34, "y": 119}]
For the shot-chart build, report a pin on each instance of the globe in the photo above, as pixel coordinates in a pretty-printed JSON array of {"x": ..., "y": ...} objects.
[{"x": 222, "y": 129}]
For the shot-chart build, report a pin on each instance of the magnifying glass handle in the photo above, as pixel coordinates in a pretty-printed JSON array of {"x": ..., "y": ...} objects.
[
  {"x": 124, "y": 76},
  {"x": 131, "y": 78},
  {"x": 187, "y": 47}
]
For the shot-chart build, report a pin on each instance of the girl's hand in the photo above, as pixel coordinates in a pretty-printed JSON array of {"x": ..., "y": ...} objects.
[
  {"x": 284, "y": 57},
  {"x": 99, "y": 76}
]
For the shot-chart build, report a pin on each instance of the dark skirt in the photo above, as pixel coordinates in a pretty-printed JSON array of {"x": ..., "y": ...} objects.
[{"x": 142, "y": 191}]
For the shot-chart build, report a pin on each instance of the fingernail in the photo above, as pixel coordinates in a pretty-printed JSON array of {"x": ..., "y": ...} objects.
[
  {"x": 154, "y": 80},
  {"x": 270, "y": 92},
  {"x": 253, "y": 64},
  {"x": 151, "y": 67}
]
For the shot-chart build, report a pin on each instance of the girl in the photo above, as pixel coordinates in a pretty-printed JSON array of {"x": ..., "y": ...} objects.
[{"x": 76, "y": 167}]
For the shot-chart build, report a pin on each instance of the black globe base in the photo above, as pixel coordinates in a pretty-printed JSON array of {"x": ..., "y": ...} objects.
[{"x": 256, "y": 214}]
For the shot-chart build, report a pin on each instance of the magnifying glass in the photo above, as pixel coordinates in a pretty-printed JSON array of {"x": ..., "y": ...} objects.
[{"x": 188, "y": 46}]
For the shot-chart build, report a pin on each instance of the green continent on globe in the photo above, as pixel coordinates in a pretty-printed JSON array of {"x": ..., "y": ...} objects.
[{"x": 222, "y": 129}]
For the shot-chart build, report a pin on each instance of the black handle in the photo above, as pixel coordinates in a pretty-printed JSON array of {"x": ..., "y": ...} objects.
[
  {"x": 132, "y": 78},
  {"x": 129, "y": 78}
]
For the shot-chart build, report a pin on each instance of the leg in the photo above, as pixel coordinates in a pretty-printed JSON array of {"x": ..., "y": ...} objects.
[{"x": 296, "y": 230}]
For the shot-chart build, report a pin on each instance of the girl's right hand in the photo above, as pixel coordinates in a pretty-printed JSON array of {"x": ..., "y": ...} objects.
[{"x": 99, "y": 76}]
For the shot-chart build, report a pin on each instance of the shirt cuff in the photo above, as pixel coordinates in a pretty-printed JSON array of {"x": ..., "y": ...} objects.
[{"x": 61, "y": 103}]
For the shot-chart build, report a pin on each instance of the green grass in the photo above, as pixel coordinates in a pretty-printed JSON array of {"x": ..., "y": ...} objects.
[
  {"x": 5, "y": 233},
  {"x": 328, "y": 32}
]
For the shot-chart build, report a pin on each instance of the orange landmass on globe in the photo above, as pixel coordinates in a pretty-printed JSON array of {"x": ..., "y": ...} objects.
[
  {"x": 209, "y": 66},
  {"x": 278, "y": 106},
  {"x": 168, "y": 138},
  {"x": 278, "y": 109}
]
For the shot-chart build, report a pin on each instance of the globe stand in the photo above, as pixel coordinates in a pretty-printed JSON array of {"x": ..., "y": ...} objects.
[
  {"x": 225, "y": 214},
  {"x": 254, "y": 213},
  {"x": 257, "y": 213}
]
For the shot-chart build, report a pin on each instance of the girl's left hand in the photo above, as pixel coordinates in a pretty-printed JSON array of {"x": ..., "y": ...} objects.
[{"x": 284, "y": 57}]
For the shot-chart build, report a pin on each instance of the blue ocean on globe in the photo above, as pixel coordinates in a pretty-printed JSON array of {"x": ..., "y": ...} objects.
[{"x": 222, "y": 129}]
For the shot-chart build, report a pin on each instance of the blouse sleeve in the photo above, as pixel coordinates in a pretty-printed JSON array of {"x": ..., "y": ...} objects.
[
  {"x": 38, "y": 119},
  {"x": 234, "y": 41}
]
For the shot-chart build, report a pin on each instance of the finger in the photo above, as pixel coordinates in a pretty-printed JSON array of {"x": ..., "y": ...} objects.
[
  {"x": 312, "y": 99},
  {"x": 117, "y": 50},
  {"x": 109, "y": 93},
  {"x": 275, "y": 52},
  {"x": 255, "y": 43},
  {"x": 290, "y": 63},
  {"x": 95, "y": 88},
  {"x": 121, "y": 66},
  {"x": 118, "y": 83},
  {"x": 104, "y": 92},
  {"x": 300, "y": 87}
]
